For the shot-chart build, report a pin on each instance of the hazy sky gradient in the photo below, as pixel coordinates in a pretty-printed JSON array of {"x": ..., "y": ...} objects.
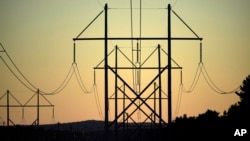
[{"x": 38, "y": 37}]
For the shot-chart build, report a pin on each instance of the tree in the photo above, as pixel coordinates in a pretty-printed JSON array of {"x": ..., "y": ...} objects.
[
  {"x": 238, "y": 114},
  {"x": 244, "y": 93}
]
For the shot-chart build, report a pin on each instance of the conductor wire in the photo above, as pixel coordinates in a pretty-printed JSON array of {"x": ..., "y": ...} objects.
[{"x": 17, "y": 70}]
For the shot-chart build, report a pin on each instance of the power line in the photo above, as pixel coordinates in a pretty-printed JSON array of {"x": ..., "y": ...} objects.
[
  {"x": 80, "y": 81},
  {"x": 137, "y": 8},
  {"x": 213, "y": 86},
  {"x": 179, "y": 99},
  {"x": 22, "y": 82},
  {"x": 96, "y": 95},
  {"x": 25, "y": 78},
  {"x": 98, "y": 105},
  {"x": 33, "y": 88},
  {"x": 132, "y": 42},
  {"x": 195, "y": 80},
  {"x": 17, "y": 70},
  {"x": 63, "y": 84},
  {"x": 202, "y": 70}
]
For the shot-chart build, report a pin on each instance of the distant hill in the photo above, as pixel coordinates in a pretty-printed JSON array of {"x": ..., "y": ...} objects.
[{"x": 89, "y": 125}]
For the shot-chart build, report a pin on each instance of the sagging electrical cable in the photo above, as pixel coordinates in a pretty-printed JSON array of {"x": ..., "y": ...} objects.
[
  {"x": 19, "y": 79},
  {"x": 80, "y": 81},
  {"x": 63, "y": 84},
  {"x": 132, "y": 42},
  {"x": 33, "y": 89},
  {"x": 179, "y": 99},
  {"x": 202, "y": 70},
  {"x": 213, "y": 86},
  {"x": 97, "y": 101},
  {"x": 195, "y": 80}
]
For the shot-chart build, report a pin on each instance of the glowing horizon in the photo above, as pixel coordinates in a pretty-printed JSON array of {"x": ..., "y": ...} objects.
[{"x": 38, "y": 37}]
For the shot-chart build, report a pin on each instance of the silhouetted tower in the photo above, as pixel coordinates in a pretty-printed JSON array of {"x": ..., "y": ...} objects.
[
  {"x": 137, "y": 108},
  {"x": 26, "y": 105}
]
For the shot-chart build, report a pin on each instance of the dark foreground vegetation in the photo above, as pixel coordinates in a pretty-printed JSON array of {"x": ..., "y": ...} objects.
[{"x": 232, "y": 125}]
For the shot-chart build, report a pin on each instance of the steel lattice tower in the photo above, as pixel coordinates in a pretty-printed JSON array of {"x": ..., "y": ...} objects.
[{"x": 149, "y": 102}]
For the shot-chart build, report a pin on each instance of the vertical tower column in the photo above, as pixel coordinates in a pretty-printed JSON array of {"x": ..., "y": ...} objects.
[
  {"x": 160, "y": 96},
  {"x": 116, "y": 92},
  {"x": 38, "y": 106},
  {"x": 8, "y": 108},
  {"x": 106, "y": 71},
  {"x": 169, "y": 73}
]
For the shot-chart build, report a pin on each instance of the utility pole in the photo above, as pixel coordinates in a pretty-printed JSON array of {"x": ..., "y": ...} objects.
[
  {"x": 38, "y": 105},
  {"x": 169, "y": 74},
  {"x": 106, "y": 72},
  {"x": 8, "y": 108}
]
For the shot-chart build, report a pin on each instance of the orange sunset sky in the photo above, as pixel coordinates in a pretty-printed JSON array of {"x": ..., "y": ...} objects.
[{"x": 37, "y": 35}]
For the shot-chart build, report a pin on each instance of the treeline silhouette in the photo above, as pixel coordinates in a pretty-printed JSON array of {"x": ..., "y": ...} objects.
[
  {"x": 210, "y": 125},
  {"x": 206, "y": 126}
]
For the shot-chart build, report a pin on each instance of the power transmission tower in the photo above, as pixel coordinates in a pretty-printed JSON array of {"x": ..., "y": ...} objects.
[
  {"x": 127, "y": 100},
  {"x": 26, "y": 105}
]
